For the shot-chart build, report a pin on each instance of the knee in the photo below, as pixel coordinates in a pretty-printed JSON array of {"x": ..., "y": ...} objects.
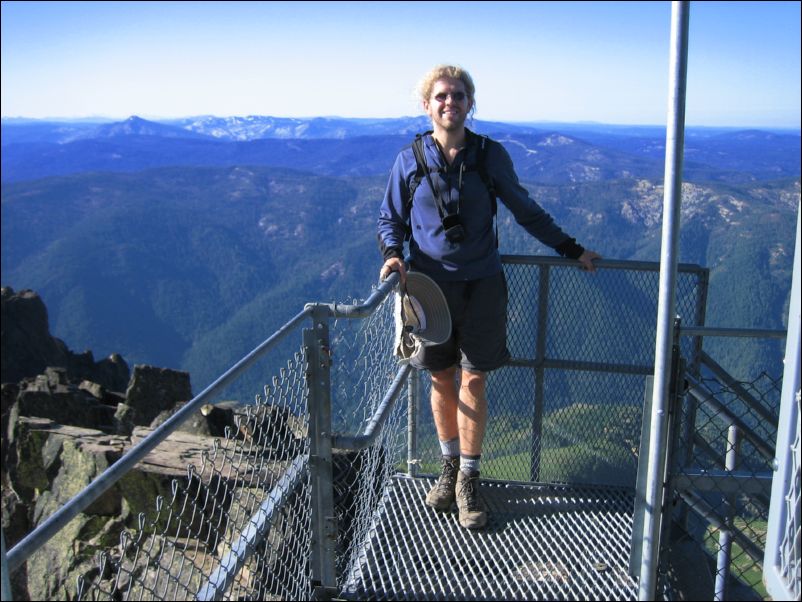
[
  {"x": 474, "y": 383},
  {"x": 445, "y": 380}
]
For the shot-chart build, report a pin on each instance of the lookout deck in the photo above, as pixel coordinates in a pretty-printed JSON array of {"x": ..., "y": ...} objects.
[{"x": 541, "y": 542}]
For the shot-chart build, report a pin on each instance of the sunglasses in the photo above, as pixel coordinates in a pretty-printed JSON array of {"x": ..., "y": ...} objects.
[{"x": 455, "y": 96}]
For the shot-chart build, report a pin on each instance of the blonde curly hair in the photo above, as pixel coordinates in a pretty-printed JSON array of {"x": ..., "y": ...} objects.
[{"x": 452, "y": 71}]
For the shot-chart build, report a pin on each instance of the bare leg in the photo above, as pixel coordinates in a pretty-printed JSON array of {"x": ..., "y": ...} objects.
[
  {"x": 460, "y": 412},
  {"x": 472, "y": 418},
  {"x": 472, "y": 415},
  {"x": 445, "y": 401}
]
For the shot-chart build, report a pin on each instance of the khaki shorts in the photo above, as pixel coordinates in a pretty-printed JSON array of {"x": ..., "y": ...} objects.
[{"x": 479, "y": 327}]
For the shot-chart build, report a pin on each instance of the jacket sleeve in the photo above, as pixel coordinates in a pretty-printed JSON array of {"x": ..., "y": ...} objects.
[
  {"x": 526, "y": 211},
  {"x": 394, "y": 214}
]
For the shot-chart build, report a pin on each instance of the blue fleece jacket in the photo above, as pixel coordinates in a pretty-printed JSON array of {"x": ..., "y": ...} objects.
[{"x": 461, "y": 189}]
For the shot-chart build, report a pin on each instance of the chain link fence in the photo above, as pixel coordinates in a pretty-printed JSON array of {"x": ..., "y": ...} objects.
[
  {"x": 363, "y": 370},
  {"x": 568, "y": 408},
  {"x": 237, "y": 526},
  {"x": 722, "y": 475},
  {"x": 566, "y": 412}
]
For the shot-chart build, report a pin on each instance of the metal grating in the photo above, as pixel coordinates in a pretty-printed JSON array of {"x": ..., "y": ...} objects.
[{"x": 542, "y": 542}]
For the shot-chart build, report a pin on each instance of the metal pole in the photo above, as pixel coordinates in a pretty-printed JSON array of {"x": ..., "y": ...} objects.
[
  {"x": 324, "y": 521},
  {"x": 374, "y": 427},
  {"x": 253, "y": 534},
  {"x": 701, "y": 316},
  {"x": 678, "y": 68},
  {"x": 723, "y": 558},
  {"x": 413, "y": 385},
  {"x": 540, "y": 373},
  {"x": 713, "y": 331}
]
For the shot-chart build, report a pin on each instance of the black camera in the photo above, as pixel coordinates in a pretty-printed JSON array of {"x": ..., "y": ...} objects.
[{"x": 453, "y": 229}]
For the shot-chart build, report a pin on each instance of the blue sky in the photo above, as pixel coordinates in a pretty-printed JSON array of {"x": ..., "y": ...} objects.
[{"x": 531, "y": 61}]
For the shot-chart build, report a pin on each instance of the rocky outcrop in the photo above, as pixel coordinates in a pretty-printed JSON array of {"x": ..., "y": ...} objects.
[
  {"x": 65, "y": 420},
  {"x": 27, "y": 347},
  {"x": 58, "y": 436}
]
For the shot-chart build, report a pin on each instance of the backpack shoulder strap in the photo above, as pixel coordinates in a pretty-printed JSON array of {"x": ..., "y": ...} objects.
[
  {"x": 420, "y": 169},
  {"x": 484, "y": 173},
  {"x": 422, "y": 166},
  {"x": 481, "y": 166}
]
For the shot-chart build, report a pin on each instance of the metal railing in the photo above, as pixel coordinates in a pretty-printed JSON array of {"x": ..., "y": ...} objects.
[
  {"x": 582, "y": 347},
  {"x": 244, "y": 520},
  {"x": 104, "y": 482},
  {"x": 282, "y": 507}
]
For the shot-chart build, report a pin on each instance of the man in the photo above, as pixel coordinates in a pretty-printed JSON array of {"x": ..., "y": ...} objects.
[{"x": 451, "y": 218}]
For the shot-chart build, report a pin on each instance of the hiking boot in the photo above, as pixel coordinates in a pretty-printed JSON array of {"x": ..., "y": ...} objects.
[
  {"x": 441, "y": 496},
  {"x": 472, "y": 509}
]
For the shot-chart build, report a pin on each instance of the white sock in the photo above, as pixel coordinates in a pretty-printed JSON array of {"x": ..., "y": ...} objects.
[
  {"x": 450, "y": 448},
  {"x": 469, "y": 464}
]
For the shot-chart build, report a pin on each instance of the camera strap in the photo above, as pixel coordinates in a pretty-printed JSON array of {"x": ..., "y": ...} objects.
[{"x": 420, "y": 158}]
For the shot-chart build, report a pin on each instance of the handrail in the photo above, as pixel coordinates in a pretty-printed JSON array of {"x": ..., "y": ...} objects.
[
  {"x": 36, "y": 538},
  {"x": 362, "y": 310},
  {"x": 714, "y": 331},
  {"x": 608, "y": 264},
  {"x": 366, "y": 439}
]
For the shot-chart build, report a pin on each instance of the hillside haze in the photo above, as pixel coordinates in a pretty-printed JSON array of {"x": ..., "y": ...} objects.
[{"x": 186, "y": 243}]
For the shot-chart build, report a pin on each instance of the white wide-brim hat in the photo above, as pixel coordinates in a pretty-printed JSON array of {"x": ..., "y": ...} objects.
[{"x": 425, "y": 310}]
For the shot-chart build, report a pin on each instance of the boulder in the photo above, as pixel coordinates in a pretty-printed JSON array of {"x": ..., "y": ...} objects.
[
  {"x": 151, "y": 391},
  {"x": 208, "y": 421},
  {"x": 51, "y": 395}
]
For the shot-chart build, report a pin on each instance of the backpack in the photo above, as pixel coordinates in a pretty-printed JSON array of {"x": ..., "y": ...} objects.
[{"x": 422, "y": 170}]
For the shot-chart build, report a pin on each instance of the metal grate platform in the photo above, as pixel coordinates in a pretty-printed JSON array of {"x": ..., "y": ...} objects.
[{"x": 542, "y": 542}]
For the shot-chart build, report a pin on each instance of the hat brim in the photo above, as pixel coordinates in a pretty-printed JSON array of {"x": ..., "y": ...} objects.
[{"x": 435, "y": 308}]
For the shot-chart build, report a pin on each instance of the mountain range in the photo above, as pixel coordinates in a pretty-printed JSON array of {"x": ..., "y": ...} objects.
[
  {"x": 333, "y": 146},
  {"x": 185, "y": 243}
]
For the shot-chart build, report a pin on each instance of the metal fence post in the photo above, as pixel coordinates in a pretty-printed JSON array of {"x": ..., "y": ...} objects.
[
  {"x": 540, "y": 372},
  {"x": 656, "y": 522},
  {"x": 724, "y": 556},
  {"x": 324, "y": 521},
  {"x": 677, "y": 392},
  {"x": 691, "y": 404},
  {"x": 413, "y": 396},
  {"x": 699, "y": 320}
]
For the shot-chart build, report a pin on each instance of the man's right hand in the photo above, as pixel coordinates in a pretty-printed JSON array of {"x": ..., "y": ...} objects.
[{"x": 394, "y": 264}]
